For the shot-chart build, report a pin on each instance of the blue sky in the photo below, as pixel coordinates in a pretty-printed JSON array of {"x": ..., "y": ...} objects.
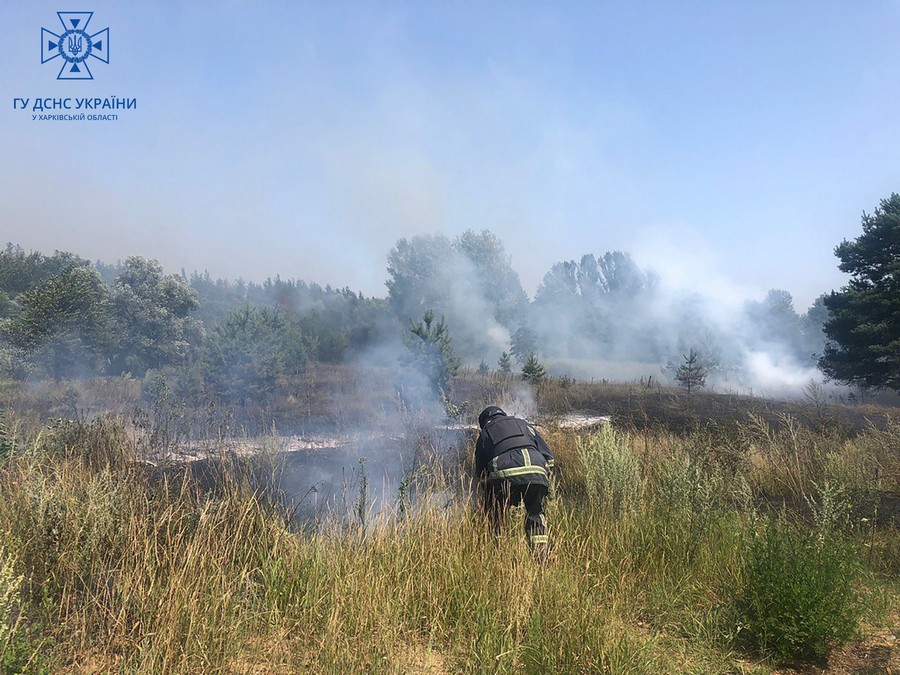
[{"x": 730, "y": 146}]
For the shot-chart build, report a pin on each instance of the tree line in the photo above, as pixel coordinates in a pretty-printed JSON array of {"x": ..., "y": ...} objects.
[{"x": 62, "y": 316}]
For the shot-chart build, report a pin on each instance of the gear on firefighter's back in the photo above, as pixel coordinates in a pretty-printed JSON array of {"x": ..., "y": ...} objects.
[{"x": 512, "y": 462}]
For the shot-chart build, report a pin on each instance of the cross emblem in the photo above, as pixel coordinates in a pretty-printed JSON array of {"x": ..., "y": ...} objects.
[{"x": 75, "y": 45}]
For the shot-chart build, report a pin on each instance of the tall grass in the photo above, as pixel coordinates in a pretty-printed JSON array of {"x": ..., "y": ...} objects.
[
  {"x": 611, "y": 471},
  {"x": 116, "y": 565},
  {"x": 10, "y": 582}
]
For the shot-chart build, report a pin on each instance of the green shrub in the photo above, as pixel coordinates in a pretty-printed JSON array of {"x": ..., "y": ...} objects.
[{"x": 797, "y": 599}]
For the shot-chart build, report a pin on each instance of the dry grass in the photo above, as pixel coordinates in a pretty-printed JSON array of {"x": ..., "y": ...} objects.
[{"x": 126, "y": 568}]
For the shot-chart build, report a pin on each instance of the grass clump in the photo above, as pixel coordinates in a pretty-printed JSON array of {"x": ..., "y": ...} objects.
[
  {"x": 798, "y": 599},
  {"x": 9, "y": 595},
  {"x": 611, "y": 471}
]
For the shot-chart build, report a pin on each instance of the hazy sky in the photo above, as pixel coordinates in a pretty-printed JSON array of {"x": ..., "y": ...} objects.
[{"x": 728, "y": 145}]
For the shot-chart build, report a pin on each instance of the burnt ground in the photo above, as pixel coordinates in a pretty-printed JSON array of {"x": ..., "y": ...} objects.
[
  {"x": 640, "y": 406},
  {"x": 679, "y": 412},
  {"x": 342, "y": 399}
]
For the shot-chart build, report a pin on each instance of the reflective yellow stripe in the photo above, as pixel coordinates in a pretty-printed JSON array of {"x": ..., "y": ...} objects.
[
  {"x": 550, "y": 463},
  {"x": 494, "y": 462},
  {"x": 517, "y": 471},
  {"x": 526, "y": 456},
  {"x": 538, "y": 539}
]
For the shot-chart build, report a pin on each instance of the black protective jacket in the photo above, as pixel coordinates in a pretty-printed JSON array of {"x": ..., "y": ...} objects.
[{"x": 510, "y": 449}]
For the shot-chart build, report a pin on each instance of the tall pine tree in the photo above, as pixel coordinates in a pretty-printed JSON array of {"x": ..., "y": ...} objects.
[{"x": 863, "y": 330}]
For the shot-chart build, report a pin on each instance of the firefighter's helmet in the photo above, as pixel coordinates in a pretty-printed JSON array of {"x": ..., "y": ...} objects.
[{"x": 488, "y": 413}]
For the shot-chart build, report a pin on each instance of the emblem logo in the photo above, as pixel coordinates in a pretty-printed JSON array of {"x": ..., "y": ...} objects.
[{"x": 75, "y": 45}]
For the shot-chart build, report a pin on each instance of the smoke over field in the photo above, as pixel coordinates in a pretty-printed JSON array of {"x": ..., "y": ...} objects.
[{"x": 605, "y": 317}]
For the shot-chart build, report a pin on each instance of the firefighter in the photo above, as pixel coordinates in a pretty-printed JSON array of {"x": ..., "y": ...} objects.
[{"x": 512, "y": 464}]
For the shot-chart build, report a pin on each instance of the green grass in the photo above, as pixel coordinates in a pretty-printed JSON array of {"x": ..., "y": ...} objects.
[{"x": 661, "y": 560}]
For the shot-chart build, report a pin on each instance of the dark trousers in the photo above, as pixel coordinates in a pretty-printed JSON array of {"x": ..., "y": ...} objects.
[{"x": 500, "y": 495}]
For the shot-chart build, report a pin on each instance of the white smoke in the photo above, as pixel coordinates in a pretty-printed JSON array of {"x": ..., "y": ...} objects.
[{"x": 775, "y": 374}]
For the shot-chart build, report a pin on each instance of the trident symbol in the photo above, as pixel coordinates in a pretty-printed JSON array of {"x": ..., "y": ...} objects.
[{"x": 74, "y": 45}]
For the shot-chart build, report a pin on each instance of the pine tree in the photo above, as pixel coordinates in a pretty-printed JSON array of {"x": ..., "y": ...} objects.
[
  {"x": 863, "y": 328},
  {"x": 505, "y": 363},
  {"x": 432, "y": 352},
  {"x": 533, "y": 371},
  {"x": 692, "y": 373}
]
